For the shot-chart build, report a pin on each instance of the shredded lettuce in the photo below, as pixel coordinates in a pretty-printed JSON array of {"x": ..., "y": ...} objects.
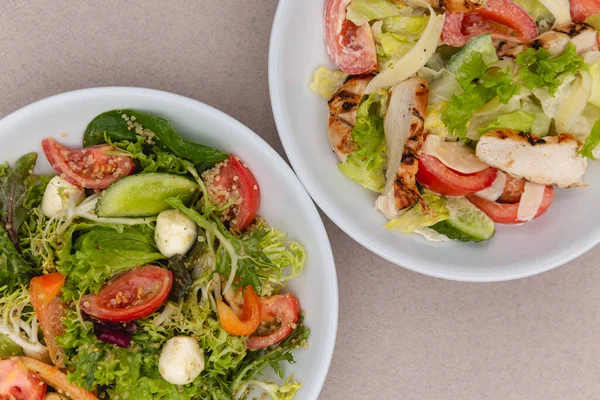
[
  {"x": 326, "y": 82},
  {"x": 363, "y": 11},
  {"x": 539, "y": 69},
  {"x": 518, "y": 121},
  {"x": 591, "y": 142},
  {"x": 419, "y": 217},
  {"x": 595, "y": 90}
]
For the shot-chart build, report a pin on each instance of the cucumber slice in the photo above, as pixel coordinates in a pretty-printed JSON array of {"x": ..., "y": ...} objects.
[
  {"x": 144, "y": 195},
  {"x": 467, "y": 223},
  {"x": 482, "y": 44},
  {"x": 8, "y": 348}
]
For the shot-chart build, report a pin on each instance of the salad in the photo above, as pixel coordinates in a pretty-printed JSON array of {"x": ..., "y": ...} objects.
[
  {"x": 462, "y": 114},
  {"x": 141, "y": 270}
]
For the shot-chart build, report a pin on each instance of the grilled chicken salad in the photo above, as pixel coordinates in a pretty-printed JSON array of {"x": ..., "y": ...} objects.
[
  {"x": 141, "y": 270},
  {"x": 462, "y": 114}
]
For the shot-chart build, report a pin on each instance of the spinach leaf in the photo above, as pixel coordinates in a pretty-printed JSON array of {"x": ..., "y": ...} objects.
[
  {"x": 13, "y": 194},
  {"x": 119, "y": 125},
  {"x": 182, "y": 278},
  {"x": 14, "y": 269}
]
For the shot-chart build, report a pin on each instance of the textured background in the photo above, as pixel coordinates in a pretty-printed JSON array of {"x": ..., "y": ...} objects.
[{"x": 401, "y": 335}]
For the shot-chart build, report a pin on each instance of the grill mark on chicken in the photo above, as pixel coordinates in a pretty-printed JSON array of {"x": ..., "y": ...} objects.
[
  {"x": 457, "y": 5},
  {"x": 573, "y": 29}
]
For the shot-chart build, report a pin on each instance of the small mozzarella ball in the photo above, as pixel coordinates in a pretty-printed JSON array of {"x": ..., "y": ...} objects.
[
  {"x": 175, "y": 233},
  {"x": 57, "y": 195},
  {"x": 181, "y": 360}
]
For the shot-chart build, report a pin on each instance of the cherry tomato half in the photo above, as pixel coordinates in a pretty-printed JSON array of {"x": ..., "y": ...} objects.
[
  {"x": 507, "y": 213},
  {"x": 89, "y": 168},
  {"x": 50, "y": 310},
  {"x": 283, "y": 309},
  {"x": 581, "y": 9},
  {"x": 132, "y": 295},
  {"x": 350, "y": 47},
  {"x": 232, "y": 180},
  {"x": 437, "y": 177},
  {"x": 248, "y": 321},
  {"x": 17, "y": 382}
]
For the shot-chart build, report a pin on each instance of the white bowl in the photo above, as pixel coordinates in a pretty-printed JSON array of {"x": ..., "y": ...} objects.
[
  {"x": 569, "y": 228},
  {"x": 284, "y": 202}
]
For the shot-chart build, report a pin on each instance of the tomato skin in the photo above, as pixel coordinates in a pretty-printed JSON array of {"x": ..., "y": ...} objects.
[
  {"x": 581, "y": 9},
  {"x": 137, "y": 293},
  {"x": 50, "y": 310},
  {"x": 19, "y": 383},
  {"x": 459, "y": 28},
  {"x": 438, "y": 178},
  {"x": 282, "y": 307},
  {"x": 249, "y": 320},
  {"x": 350, "y": 47},
  {"x": 507, "y": 213},
  {"x": 233, "y": 179},
  {"x": 89, "y": 168}
]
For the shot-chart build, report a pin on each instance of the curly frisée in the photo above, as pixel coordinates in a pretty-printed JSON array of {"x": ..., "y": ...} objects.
[
  {"x": 462, "y": 114},
  {"x": 142, "y": 269}
]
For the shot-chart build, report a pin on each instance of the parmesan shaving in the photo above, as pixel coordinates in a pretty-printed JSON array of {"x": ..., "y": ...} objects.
[{"x": 530, "y": 201}]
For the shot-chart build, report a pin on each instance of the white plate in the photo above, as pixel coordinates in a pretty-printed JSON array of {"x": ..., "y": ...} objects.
[
  {"x": 570, "y": 228},
  {"x": 284, "y": 202}
]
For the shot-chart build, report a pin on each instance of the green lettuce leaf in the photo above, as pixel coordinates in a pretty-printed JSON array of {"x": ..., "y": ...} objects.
[
  {"x": 356, "y": 169},
  {"x": 417, "y": 217},
  {"x": 595, "y": 92},
  {"x": 539, "y": 69},
  {"x": 591, "y": 142},
  {"x": 326, "y": 82},
  {"x": 518, "y": 121},
  {"x": 363, "y": 11}
]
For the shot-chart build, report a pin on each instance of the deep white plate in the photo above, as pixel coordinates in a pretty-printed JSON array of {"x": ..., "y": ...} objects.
[
  {"x": 284, "y": 202},
  {"x": 567, "y": 230}
]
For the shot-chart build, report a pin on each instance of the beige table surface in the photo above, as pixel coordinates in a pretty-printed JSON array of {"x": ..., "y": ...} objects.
[{"x": 401, "y": 335}]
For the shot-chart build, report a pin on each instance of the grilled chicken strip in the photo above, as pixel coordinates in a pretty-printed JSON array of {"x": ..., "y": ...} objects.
[
  {"x": 342, "y": 115},
  {"x": 462, "y": 6},
  {"x": 403, "y": 125},
  {"x": 582, "y": 35},
  {"x": 552, "y": 160}
]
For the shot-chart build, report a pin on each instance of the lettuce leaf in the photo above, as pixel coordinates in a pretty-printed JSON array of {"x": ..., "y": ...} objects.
[
  {"x": 357, "y": 170},
  {"x": 591, "y": 142},
  {"x": 326, "y": 82},
  {"x": 539, "y": 69},
  {"x": 518, "y": 121},
  {"x": 395, "y": 36},
  {"x": 363, "y": 11},
  {"x": 417, "y": 217}
]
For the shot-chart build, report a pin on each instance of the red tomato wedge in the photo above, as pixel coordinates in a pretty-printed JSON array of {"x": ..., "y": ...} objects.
[
  {"x": 437, "y": 177},
  {"x": 249, "y": 320},
  {"x": 581, "y": 9},
  {"x": 350, "y": 47},
  {"x": 281, "y": 308},
  {"x": 50, "y": 310},
  {"x": 18, "y": 382},
  {"x": 53, "y": 377},
  {"x": 507, "y": 213},
  {"x": 132, "y": 295},
  {"x": 232, "y": 180},
  {"x": 89, "y": 168},
  {"x": 513, "y": 189},
  {"x": 503, "y": 19}
]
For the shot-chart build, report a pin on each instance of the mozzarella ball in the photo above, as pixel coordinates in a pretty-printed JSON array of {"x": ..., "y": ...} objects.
[
  {"x": 181, "y": 360},
  {"x": 57, "y": 195},
  {"x": 175, "y": 233}
]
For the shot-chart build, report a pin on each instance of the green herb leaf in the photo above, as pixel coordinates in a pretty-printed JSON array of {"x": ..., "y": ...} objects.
[{"x": 591, "y": 142}]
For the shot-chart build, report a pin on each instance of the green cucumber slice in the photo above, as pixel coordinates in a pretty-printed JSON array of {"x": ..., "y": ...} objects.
[
  {"x": 144, "y": 195},
  {"x": 466, "y": 223}
]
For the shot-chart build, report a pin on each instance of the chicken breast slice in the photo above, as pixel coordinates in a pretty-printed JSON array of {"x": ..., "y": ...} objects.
[
  {"x": 462, "y": 6},
  {"x": 552, "y": 160},
  {"x": 342, "y": 115},
  {"x": 403, "y": 125},
  {"x": 582, "y": 35}
]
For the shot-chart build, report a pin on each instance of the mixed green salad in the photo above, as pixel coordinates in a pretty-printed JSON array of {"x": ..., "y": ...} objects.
[
  {"x": 141, "y": 270},
  {"x": 459, "y": 114}
]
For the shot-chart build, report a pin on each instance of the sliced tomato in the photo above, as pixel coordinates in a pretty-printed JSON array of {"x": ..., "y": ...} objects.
[
  {"x": 91, "y": 167},
  {"x": 50, "y": 310},
  {"x": 18, "y": 382},
  {"x": 504, "y": 213},
  {"x": 350, "y": 47},
  {"x": 232, "y": 181},
  {"x": 53, "y": 377},
  {"x": 283, "y": 309},
  {"x": 513, "y": 189},
  {"x": 437, "y": 177},
  {"x": 581, "y": 9},
  {"x": 503, "y": 19},
  {"x": 248, "y": 321},
  {"x": 132, "y": 295}
]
